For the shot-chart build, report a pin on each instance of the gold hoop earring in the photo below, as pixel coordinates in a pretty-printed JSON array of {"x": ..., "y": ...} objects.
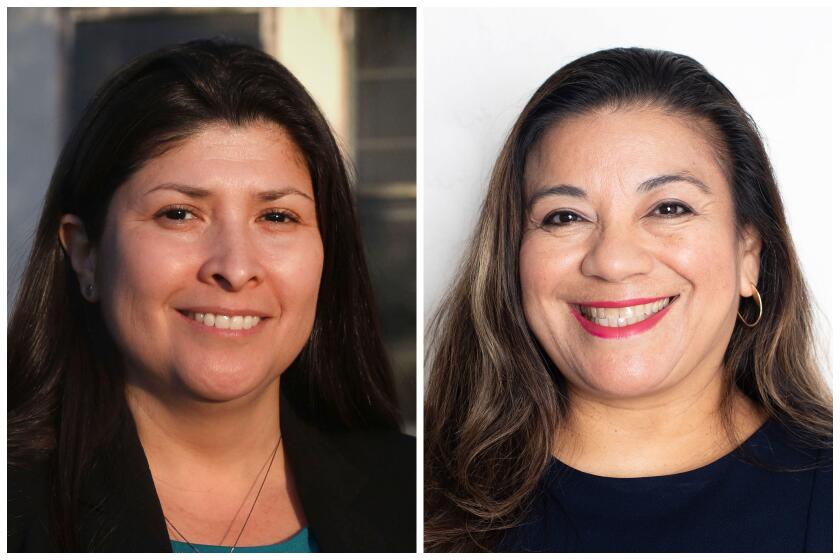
[{"x": 757, "y": 299}]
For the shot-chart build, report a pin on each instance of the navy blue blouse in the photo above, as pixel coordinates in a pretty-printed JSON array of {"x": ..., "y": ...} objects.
[{"x": 730, "y": 505}]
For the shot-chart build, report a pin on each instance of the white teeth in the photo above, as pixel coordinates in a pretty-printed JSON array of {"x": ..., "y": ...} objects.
[
  {"x": 623, "y": 316},
  {"x": 225, "y": 322}
]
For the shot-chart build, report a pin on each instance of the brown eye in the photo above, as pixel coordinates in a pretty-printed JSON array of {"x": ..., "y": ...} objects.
[
  {"x": 176, "y": 214},
  {"x": 560, "y": 218},
  {"x": 280, "y": 217},
  {"x": 672, "y": 209}
]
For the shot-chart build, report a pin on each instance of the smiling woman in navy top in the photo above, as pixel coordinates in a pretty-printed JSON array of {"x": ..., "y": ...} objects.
[{"x": 626, "y": 362}]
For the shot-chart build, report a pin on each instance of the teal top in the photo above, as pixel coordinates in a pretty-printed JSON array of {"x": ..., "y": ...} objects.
[{"x": 301, "y": 541}]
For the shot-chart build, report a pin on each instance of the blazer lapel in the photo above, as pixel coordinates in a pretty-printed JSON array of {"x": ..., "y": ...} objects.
[{"x": 120, "y": 510}]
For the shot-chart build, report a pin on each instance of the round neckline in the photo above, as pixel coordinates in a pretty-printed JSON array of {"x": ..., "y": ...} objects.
[{"x": 703, "y": 470}]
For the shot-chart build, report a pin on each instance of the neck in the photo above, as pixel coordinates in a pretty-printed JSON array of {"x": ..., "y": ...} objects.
[
  {"x": 671, "y": 432},
  {"x": 187, "y": 439}
]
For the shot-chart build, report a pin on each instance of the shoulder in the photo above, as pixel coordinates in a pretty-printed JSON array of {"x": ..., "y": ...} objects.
[
  {"x": 387, "y": 460},
  {"x": 806, "y": 469},
  {"x": 28, "y": 517},
  {"x": 357, "y": 486},
  {"x": 819, "y": 535},
  {"x": 781, "y": 446},
  {"x": 384, "y": 458}
]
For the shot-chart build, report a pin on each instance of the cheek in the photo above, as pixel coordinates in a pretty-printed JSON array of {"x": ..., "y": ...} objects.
[
  {"x": 545, "y": 268},
  {"x": 295, "y": 271},
  {"x": 532, "y": 274},
  {"x": 139, "y": 272},
  {"x": 706, "y": 259}
]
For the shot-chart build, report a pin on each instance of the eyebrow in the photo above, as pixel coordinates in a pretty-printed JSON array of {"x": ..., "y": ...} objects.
[
  {"x": 645, "y": 186},
  {"x": 655, "y": 182},
  {"x": 198, "y": 192}
]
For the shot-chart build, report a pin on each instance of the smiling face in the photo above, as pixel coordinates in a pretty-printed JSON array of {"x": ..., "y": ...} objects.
[
  {"x": 629, "y": 212},
  {"x": 210, "y": 262}
]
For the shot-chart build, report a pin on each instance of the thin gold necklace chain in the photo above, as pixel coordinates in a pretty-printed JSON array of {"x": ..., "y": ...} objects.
[{"x": 253, "y": 505}]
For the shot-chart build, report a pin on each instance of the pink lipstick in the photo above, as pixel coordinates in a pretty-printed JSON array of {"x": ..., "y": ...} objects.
[{"x": 602, "y": 331}]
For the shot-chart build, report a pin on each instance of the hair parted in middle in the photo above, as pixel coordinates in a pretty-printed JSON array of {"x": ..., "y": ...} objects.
[{"x": 494, "y": 400}]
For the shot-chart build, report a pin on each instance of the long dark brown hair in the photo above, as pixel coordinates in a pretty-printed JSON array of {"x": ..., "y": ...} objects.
[
  {"x": 66, "y": 390},
  {"x": 494, "y": 401}
]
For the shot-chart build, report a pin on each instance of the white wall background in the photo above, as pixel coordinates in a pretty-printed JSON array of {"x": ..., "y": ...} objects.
[{"x": 482, "y": 65}]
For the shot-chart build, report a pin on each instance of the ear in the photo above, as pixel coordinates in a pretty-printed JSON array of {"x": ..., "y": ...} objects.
[
  {"x": 750, "y": 253},
  {"x": 74, "y": 239}
]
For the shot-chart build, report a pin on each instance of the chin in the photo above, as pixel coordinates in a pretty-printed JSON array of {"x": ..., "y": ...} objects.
[
  {"x": 624, "y": 382},
  {"x": 224, "y": 384},
  {"x": 622, "y": 389}
]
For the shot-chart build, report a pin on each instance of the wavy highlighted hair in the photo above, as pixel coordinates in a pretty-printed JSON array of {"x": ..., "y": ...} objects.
[{"x": 494, "y": 401}]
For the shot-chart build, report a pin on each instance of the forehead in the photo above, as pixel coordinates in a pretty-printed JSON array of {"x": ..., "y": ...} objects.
[
  {"x": 224, "y": 157},
  {"x": 622, "y": 146}
]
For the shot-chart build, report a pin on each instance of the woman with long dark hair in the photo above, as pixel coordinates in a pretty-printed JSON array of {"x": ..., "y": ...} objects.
[
  {"x": 626, "y": 360},
  {"x": 198, "y": 240}
]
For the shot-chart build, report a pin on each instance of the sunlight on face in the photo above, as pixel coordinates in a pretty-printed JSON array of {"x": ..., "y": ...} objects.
[
  {"x": 630, "y": 263},
  {"x": 210, "y": 263}
]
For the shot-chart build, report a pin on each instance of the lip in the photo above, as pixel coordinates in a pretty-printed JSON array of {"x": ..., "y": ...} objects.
[
  {"x": 621, "y": 332},
  {"x": 622, "y": 303},
  {"x": 226, "y": 333},
  {"x": 224, "y": 311}
]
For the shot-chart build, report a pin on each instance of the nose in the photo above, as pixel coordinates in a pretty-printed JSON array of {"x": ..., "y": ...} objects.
[
  {"x": 233, "y": 262},
  {"x": 615, "y": 255}
]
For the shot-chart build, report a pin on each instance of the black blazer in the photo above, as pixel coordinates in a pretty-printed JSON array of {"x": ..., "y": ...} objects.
[{"x": 357, "y": 490}]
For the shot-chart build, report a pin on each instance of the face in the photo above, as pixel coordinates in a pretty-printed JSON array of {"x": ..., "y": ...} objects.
[
  {"x": 210, "y": 262},
  {"x": 630, "y": 264}
]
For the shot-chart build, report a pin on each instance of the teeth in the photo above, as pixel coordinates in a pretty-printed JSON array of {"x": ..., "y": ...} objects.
[
  {"x": 622, "y": 316},
  {"x": 225, "y": 322}
]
